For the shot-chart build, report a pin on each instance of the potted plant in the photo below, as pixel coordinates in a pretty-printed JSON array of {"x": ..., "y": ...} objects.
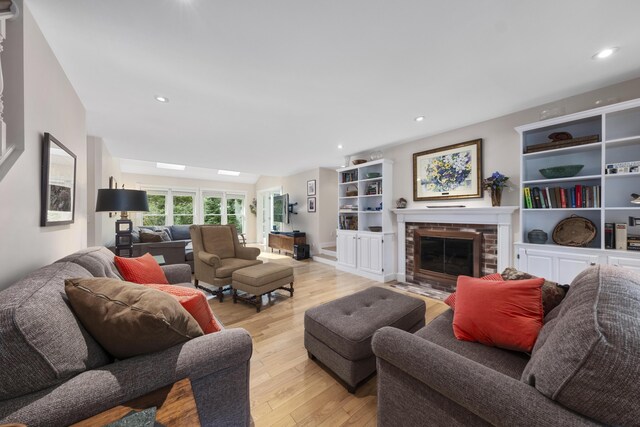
[{"x": 495, "y": 183}]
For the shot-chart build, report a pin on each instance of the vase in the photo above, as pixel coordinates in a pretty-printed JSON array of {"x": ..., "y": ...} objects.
[{"x": 496, "y": 196}]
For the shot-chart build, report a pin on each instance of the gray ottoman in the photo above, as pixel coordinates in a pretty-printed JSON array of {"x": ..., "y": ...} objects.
[{"x": 339, "y": 333}]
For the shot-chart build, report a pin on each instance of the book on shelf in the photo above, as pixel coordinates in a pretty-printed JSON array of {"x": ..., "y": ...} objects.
[
  {"x": 633, "y": 242},
  {"x": 579, "y": 196},
  {"x": 609, "y": 235},
  {"x": 621, "y": 236},
  {"x": 527, "y": 198}
]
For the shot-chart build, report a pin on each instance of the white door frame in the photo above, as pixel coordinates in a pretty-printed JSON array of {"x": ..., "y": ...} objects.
[{"x": 260, "y": 207}]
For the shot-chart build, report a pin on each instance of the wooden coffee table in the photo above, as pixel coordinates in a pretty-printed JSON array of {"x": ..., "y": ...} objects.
[{"x": 176, "y": 407}]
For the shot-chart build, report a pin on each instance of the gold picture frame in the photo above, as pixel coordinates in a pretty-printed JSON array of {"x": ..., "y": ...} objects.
[{"x": 450, "y": 172}]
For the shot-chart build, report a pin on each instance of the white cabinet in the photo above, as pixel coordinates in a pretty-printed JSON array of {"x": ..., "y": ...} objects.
[
  {"x": 625, "y": 262},
  {"x": 370, "y": 253},
  {"x": 555, "y": 265},
  {"x": 365, "y": 238},
  {"x": 346, "y": 249},
  {"x": 604, "y": 140}
]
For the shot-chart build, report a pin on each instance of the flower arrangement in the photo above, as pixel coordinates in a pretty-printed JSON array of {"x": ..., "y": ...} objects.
[
  {"x": 446, "y": 173},
  {"x": 495, "y": 181}
]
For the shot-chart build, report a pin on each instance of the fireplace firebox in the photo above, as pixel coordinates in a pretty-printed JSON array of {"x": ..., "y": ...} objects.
[{"x": 442, "y": 256}]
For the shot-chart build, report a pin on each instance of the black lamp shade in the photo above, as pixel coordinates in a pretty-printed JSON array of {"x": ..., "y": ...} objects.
[{"x": 110, "y": 200}]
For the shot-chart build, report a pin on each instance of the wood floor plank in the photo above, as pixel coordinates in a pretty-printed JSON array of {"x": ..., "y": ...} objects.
[{"x": 287, "y": 388}]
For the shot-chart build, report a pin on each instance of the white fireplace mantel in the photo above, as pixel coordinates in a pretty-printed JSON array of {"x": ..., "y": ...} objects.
[{"x": 501, "y": 216}]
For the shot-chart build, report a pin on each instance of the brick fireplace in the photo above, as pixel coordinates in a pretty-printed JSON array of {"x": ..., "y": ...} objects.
[
  {"x": 436, "y": 253},
  {"x": 491, "y": 225}
]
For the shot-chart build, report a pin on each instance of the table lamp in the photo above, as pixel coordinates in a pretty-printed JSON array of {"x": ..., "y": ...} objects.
[{"x": 114, "y": 199}]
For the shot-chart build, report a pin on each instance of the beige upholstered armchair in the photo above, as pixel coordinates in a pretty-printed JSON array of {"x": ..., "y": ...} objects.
[{"x": 217, "y": 253}]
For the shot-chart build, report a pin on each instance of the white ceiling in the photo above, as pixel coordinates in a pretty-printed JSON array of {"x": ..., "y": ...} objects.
[
  {"x": 272, "y": 87},
  {"x": 190, "y": 172}
]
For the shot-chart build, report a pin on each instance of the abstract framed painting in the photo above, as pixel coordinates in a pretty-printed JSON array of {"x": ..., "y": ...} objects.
[{"x": 451, "y": 172}]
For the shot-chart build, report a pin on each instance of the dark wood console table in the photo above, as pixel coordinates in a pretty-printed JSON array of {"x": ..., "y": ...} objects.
[{"x": 284, "y": 242}]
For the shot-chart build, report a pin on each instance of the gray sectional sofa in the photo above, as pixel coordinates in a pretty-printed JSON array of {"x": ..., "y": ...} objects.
[
  {"x": 584, "y": 368},
  {"x": 53, "y": 373}
]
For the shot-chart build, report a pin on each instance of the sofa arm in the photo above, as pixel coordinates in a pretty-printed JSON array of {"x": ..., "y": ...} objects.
[
  {"x": 247, "y": 253},
  {"x": 209, "y": 259},
  {"x": 177, "y": 273},
  {"x": 223, "y": 356},
  {"x": 496, "y": 398}
]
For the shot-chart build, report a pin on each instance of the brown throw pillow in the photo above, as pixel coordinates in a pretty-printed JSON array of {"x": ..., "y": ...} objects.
[
  {"x": 552, "y": 292},
  {"x": 152, "y": 236},
  {"x": 129, "y": 319}
]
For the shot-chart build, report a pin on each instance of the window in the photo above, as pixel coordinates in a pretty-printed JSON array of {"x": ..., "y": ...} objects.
[
  {"x": 235, "y": 211},
  {"x": 212, "y": 210},
  {"x": 183, "y": 208},
  {"x": 157, "y": 209}
]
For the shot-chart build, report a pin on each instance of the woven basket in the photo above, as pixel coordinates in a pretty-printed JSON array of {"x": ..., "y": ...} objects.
[
  {"x": 574, "y": 231},
  {"x": 352, "y": 191}
]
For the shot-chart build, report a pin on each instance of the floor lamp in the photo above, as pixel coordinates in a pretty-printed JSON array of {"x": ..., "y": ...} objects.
[{"x": 113, "y": 199}]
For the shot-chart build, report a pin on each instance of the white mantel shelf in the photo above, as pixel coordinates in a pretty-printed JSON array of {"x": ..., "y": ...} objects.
[{"x": 502, "y": 216}]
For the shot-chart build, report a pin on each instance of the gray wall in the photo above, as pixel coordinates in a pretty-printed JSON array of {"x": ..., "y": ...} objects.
[{"x": 50, "y": 105}]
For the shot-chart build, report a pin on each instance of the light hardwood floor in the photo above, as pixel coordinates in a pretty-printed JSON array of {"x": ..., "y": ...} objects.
[{"x": 287, "y": 388}]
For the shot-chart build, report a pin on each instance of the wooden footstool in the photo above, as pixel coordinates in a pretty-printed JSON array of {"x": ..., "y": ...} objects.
[{"x": 261, "y": 279}]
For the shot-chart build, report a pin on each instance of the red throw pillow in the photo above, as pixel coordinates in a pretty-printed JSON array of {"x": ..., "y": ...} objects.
[
  {"x": 195, "y": 302},
  {"x": 141, "y": 270},
  {"x": 451, "y": 299},
  {"x": 508, "y": 316}
]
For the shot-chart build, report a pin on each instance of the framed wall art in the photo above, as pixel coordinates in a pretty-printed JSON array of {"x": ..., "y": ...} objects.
[
  {"x": 311, "y": 204},
  {"x": 311, "y": 187},
  {"x": 58, "y": 188},
  {"x": 451, "y": 172}
]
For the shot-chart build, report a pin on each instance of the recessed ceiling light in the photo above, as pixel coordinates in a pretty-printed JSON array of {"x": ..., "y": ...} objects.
[
  {"x": 419, "y": 118},
  {"x": 230, "y": 173},
  {"x": 170, "y": 166},
  {"x": 605, "y": 53},
  {"x": 162, "y": 99},
  {"x": 339, "y": 146}
]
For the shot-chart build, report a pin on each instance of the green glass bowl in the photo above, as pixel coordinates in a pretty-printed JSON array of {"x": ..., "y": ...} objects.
[{"x": 561, "y": 171}]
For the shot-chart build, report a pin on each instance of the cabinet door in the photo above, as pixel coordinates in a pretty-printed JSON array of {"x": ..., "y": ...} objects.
[
  {"x": 570, "y": 265},
  {"x": 370, "y": 253},
  {"x": 346, "y": 248},
  {"x": 537, "y": 263},
  {"x": 624, "y": 262}
]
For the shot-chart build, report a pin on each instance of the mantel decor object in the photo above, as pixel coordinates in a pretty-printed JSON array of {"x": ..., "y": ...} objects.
[
  {"x": 451, "y": 172},
  {"x": 114, "y": 199},
  {"x": 58, "y": 185},
  {"x": 496, "y": 183}
]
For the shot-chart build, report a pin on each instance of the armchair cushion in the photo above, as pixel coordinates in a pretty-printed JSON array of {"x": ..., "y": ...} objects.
[
  {"x": 219, "y": 241},
  {"x": 229, "y": 265}
]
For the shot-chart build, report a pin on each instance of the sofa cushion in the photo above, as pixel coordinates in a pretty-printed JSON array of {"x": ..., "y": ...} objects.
[
  {"x": 98, "y": 260},
  {"x": 218, "y": 240},
  {"x": 229, "y": 265},
  {"x": 440, "y": 332},
  {"x": 130, "y": 319},
  {"x": 143, "y": 269},
  {"x": 42, "y": 343},
  {"x": 501, "y": 314},
  {"x": 195, "y": 302},
  {"x": 180, "y": 232},
  {"x": 587, "y": 357},
  {"x": 154, "y": 236},
  {"x": 552, "y": 292}
]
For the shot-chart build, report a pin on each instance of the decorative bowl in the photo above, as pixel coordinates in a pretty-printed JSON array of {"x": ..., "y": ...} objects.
[
  {"x": 375, "y": 228},
  {"x": 358, "y": 161},
  {"x": 561, "y": 171},
  {"x": 537, "y": 236},
  {"x": 373, "y": 175}
]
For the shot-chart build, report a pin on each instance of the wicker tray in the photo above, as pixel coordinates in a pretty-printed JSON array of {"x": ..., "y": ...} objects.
[
  {"x": 574, "y": 231},
  {"x": 352, "y": 191}
]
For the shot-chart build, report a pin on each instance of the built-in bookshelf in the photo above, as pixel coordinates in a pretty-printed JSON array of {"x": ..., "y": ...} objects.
[{"x": 606, "y": 141}]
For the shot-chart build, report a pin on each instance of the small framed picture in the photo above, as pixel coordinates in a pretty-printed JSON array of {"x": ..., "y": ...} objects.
[
  {"x": 311, "y": 204},
  {"x": 311, "y": 188}
]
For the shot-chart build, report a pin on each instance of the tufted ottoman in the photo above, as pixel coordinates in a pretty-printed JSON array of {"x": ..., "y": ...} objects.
[{"x": 339, "y": 333}]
